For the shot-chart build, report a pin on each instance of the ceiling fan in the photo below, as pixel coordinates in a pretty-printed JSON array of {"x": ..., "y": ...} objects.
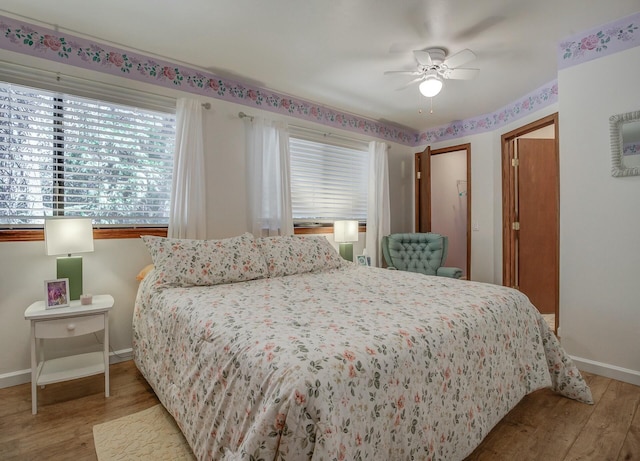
[{"x": 434, "y": 66}]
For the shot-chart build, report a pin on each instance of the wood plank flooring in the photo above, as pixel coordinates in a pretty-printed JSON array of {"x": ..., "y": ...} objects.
[{"x": 544, "y": 426}]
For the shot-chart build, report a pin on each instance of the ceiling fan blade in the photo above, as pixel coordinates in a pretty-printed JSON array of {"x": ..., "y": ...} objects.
[
  {"x": 478, "y": 28},
  {"x": 459, "y": 59},
  {"x": 422, "y": 57},
  {"x": 408, "y": 84},
  {"x": 403, "y": 72},
  {"x": 461, "y": 73}
]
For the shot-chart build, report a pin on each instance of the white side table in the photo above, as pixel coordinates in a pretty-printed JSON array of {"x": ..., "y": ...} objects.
[{"x": 66, "y": 322}]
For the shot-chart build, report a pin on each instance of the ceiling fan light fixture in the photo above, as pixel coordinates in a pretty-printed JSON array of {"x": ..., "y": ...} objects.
[{"x": 431, "y": 86}]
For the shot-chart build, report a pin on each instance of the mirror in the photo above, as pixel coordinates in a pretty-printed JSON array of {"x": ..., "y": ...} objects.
[{"x": 625, "y": 144}]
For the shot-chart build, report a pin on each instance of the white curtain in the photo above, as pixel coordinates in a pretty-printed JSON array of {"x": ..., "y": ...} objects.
[
  {"x": 187, "y": 215},
  {"x": 378, "y": 216},
  {"x": 268, "y": 178}
]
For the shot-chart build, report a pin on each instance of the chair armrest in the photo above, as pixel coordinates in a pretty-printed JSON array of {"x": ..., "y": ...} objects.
[
  {"x": 452, "y": 272},
  {"x": 385, "y": 252}
]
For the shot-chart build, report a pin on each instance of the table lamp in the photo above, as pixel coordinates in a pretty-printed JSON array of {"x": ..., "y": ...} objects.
[
  {"x": 66, "y": 236},
  {"x": 345, "y": 232}
]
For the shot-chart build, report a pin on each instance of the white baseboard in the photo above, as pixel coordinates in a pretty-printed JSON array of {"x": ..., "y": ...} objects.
[
  {"x": 120, "y": 356},
  {"x": 608, "y": 371},
  {"x": 15, "y": 378}
]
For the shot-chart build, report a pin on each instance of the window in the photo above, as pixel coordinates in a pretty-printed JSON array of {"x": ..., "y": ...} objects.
[
  {"x": 328, "y": 182},
  {"x": 63, "y": 155}
]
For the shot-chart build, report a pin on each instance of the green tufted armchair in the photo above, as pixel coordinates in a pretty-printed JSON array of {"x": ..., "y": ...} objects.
[{"x": 424, "y": 253}]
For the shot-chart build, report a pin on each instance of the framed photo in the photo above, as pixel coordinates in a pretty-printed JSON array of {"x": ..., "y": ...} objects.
[
  {"x": 363, "y": 260},
  {"x": 56, "y": 293}
]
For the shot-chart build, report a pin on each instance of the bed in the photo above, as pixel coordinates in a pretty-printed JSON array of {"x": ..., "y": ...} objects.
[{"x": 277, "y": 349}]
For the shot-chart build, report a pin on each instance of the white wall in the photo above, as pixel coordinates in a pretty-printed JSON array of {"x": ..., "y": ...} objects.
[
  {"x": 448, "y": 207},
  {"x": 482, "y": 203},
  {"x": 599, "y": 216},
  {"x": 599, "y": 220},
  {"x": 112, "y": 267},
  {"x": 486, "y": 195}
]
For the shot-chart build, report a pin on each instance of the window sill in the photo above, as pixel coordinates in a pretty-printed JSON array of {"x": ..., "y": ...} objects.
[
  {"x": 321, "y": 230},
  {"x": 32, "y": 235}
]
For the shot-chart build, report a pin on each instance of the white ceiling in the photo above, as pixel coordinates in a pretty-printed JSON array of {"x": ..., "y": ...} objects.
[{"x": 335, "y": 52}]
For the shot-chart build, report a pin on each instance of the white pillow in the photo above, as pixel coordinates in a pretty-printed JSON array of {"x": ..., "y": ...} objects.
[
  {"x": 183, "y": 262},
  {"x": 292, "y": 254}
]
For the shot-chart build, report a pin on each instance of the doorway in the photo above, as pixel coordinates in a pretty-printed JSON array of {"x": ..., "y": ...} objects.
[
  {"x": 443, "y": 200},
  {"x": 531, "y": 212}
]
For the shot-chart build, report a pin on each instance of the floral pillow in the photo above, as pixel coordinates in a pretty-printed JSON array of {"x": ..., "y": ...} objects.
[
  {"x": 182, "y": 262},
  {"x": 291, "y": 254}
]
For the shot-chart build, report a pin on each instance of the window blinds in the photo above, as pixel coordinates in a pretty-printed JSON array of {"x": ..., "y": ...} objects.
[
  {"x": 328, "y": 182},
  {"x": 62, "y": 155}
]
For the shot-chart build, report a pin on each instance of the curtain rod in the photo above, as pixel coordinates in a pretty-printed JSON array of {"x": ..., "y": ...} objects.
[
  {"x": 318, "y": 132},
  {"x": 329, "y": 135},
  {"x": 59, "y": 81},
  {"x": 24, "y": 72}
]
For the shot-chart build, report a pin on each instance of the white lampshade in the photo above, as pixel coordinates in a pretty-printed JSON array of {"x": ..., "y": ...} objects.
[
  {"x": 431, "y": 86},
  {"x": 345, "y": 231},
  {"x": 68, "y": 235}
]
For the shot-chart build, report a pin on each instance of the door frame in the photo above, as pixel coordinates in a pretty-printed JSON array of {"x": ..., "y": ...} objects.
[
  {"x": 422, "y": 188},
  {"x": 508, "y": 201}
]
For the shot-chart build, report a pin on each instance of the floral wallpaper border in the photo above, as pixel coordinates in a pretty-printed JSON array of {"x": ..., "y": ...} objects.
[
  {"x": 61, "y": 47},
  {"x": 534, "y": 101},
  {"x": 42, "y": 42},
  {"x": 598, "y": 42}
]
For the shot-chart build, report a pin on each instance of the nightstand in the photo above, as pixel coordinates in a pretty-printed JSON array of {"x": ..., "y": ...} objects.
[{"x": 67, "y": 322}]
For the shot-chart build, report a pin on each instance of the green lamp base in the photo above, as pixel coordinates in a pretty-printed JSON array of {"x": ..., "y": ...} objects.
[
  {"x": 70, "y": 267},
  {"x": 346, "y": 251}
]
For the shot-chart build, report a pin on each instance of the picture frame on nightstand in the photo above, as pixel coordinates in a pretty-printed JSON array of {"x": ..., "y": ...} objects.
[
  {"x": 363, "y": 260},
  {"x": 56, "y": 293}
]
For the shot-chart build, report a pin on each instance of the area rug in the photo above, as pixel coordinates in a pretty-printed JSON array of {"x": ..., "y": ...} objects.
[{"x": 149, "y": 435}]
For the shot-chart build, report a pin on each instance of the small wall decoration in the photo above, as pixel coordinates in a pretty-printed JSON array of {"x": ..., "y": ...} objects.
[
  {"x": 363, "y": 260},
  {"x": 624, "y": 134},
  {"x": 56, "y": 293}
]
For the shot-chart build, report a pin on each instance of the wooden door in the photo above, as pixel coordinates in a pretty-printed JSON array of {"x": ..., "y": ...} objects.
[
  {"x": 422, "y": 190},
  {"x": 537, "y": 215}
]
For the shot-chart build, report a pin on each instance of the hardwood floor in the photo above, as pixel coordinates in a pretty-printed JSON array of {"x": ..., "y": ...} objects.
[
  {"x": 544, "y": 426},
  {"x": 67, "y": 412}
]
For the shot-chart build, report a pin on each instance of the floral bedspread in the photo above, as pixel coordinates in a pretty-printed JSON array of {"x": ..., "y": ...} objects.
[{"x": 347, "y": 364}]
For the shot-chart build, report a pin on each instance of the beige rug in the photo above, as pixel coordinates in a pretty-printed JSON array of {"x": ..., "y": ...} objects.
[{"x": 150, "y": 435}]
